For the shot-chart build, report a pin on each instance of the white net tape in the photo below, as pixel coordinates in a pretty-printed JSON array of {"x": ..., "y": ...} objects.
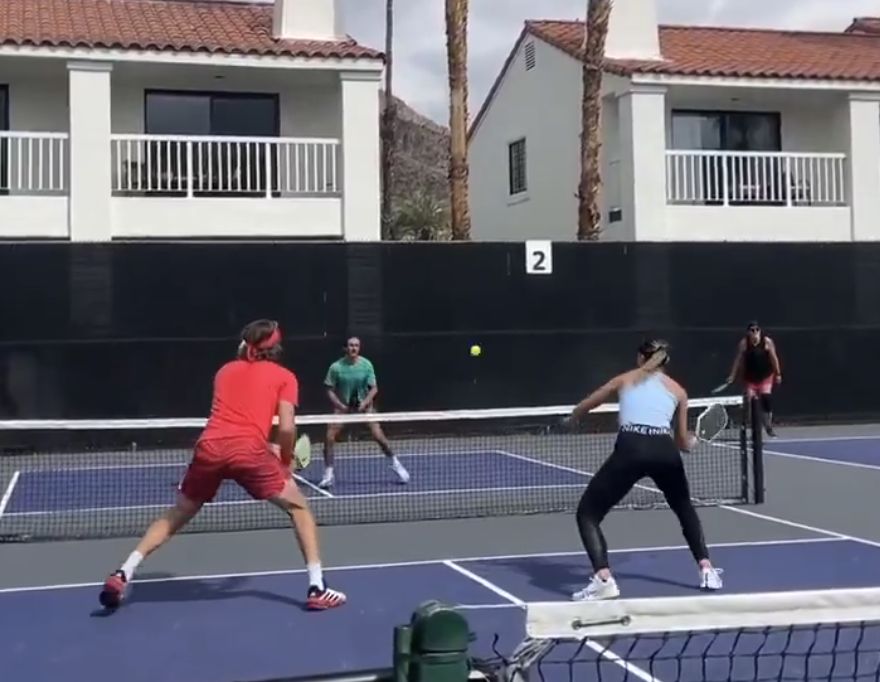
[{"x": 626, "y": 617}]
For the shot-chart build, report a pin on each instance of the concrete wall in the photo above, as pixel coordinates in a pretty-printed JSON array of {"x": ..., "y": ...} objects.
[
  {"x": 754, "y": 224},
  {"x": 226, "y": 217}
]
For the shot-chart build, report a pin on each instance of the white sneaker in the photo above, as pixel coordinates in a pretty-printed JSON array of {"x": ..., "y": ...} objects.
[
  {"x": 400, "y": 470},
  {"x": 328, "y": 480},
  {"x": 710, "y": 578},
  {"x": 598, "y": 589}
]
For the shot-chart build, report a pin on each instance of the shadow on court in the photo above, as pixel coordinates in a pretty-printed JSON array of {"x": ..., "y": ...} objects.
[
  {"x": 205, "y": 590},
  {"x": 559, "y": 577}
]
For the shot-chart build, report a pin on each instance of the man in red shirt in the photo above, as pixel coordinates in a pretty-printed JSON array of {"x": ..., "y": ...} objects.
[{"x": 248, "y": 392}]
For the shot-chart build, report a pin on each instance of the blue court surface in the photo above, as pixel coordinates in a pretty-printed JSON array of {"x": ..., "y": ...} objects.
[
  {"x": 857, "y": 450},
  {"x": 126, "y": 486},
  {"x": 253, "y": 627}
]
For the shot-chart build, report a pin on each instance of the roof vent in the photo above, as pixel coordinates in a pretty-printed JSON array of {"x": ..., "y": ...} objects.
[{"x": 529, "y": 56}]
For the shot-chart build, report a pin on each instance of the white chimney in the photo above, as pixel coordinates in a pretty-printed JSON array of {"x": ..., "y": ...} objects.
[
  {"x": 306, "y": 20},
  {"x": 633, "y": 30}
]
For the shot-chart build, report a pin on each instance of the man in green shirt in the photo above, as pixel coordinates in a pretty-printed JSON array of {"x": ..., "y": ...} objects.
[{"x": 351, "y": 386}]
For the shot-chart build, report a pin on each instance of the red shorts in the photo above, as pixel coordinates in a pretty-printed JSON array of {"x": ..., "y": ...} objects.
[
  {"x": 756, "y": 388},
  {"x": 248, "y": 462}
]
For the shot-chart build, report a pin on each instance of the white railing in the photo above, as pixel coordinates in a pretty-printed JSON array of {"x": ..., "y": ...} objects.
[
  {"x": 224, "y": 166},
  {"x": 749, "y": 178},
  {"x": 33, "y": 163}
]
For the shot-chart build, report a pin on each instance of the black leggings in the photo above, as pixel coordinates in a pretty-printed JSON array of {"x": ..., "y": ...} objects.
[{"x": 636, "y": 456}]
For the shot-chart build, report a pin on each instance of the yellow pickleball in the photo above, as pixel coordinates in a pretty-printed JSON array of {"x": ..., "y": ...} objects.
[{"x": 475, "y": 350}]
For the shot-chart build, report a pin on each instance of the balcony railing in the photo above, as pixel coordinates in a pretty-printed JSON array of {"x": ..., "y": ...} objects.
[
  {"x": 33, "y": 163},
  {"x": 755, "y": 178},
  {"x": 172, "y": 165}
]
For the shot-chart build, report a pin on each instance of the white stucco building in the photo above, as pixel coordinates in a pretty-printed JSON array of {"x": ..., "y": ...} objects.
[
  {"x": 186, "y": 119},
  {"x": 708, "y": 134}
]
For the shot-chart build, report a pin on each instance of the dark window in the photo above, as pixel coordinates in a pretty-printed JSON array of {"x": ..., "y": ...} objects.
[
  {"x": 4, "y": 107},
  {"x": 178, "y": 114},
  {"x": 211, "y": 113},
  {"x": 696, "y": 131},
  {"x": 4, "y": 143},
  {"x": 516, "y": 167},
  {"x": 750, "y": 179},
  {"x": 246, "y": 116},
  {"x": 727, "y": 131},
  {"x": 219, "y": 168}
]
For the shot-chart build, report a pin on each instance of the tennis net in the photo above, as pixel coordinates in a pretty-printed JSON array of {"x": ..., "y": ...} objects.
[
  {"x": 83, "y": 479},
  {"x": 762, "y": 637}
]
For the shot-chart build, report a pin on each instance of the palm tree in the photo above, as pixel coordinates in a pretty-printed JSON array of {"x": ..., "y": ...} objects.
[
  {"x": 456, "y": 57},
  {"x": 421, "y": 217},
  {"x": 596, "y": 31},
  {"x": 389, "y": 116}
]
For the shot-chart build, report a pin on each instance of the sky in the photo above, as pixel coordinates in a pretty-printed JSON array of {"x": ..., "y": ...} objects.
[{"x": 420, "y": 39}]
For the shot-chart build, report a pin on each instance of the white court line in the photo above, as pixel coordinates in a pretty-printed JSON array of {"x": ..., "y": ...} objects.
[
  {"x": 516, "y": 601},
  {"x": 160, "y": 465},
  {"x": 550, "y": 465},
  {"x": 430, "y": 562},
  {"x": 802, "y": 526},
  {"x": 107, "y": 467},
  {"x": 484, "y": 607},
  {"x": 791, "y": 524},
  {"x": 736, "y": 510},
  {"x": 452, "y": 491},
  {"x": 311, "y": 485},
  {"x": 488, "y": 584},
  {"x": 7, "y": 495},
  {"x": 357, "y": 496},
  {"x": 810, "y": 458},
  {"x": 745, "y": 512},
  {"x": 823, "y": 460},
  {"x": 344, "y": 496},
  {"x": 580, "y": 472},
  {"x": 134, "y": 507},
  {"x": 617, "y": 660},
  {"x": 823, "y": 439}
]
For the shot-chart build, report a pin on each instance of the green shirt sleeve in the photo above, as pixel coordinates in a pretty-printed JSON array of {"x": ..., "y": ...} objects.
[
  {"x": 371, "y": 375},
  {"x": 330, "y": 379}
]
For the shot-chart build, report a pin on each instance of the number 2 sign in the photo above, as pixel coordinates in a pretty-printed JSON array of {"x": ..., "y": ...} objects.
[{"x": 539, "y": 257}]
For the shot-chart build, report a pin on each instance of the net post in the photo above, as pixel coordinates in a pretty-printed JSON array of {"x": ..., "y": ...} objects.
[
  {"x": 745, "y": 493},
  {"x": 757, "y": 422}
]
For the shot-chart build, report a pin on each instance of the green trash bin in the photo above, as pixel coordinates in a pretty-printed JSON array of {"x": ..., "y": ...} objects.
[{"x": 433, "y": 647}]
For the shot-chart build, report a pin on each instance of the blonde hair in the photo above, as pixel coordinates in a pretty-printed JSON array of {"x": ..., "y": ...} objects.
[
  {"x": 656, "y": 354},
  {"x": 655, "y": 362}
]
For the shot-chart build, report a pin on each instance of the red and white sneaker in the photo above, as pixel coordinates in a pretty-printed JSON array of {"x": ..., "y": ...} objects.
[
  {"x": 321, "y": 600},
  {"x": 113, "y": 593}
]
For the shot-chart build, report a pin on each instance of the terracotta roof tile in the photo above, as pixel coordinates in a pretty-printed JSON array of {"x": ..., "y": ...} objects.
[
  {"x": 163, "y": 25},
  {"x": 733, "y": 52}
]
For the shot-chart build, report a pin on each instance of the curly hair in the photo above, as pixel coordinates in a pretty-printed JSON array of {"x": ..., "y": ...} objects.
[{"x": 260, "y": 340}]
